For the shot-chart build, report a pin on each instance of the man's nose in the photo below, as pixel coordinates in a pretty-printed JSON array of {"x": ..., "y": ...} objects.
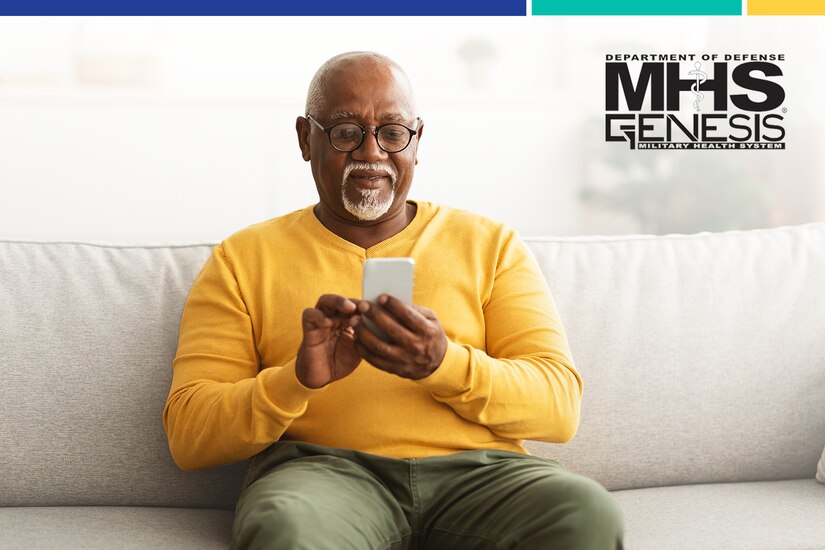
[{"x": 369, "y": 151}]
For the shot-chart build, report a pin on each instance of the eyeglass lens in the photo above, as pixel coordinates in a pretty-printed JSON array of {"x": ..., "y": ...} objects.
[{"x": 392, "y": 137}]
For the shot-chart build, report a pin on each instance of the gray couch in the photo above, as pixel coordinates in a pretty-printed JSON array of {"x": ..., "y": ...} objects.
[{"x": 703, "y": 358}]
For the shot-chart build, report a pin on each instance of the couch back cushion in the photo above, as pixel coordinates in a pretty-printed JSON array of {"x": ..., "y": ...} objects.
[
  {"x": 87, "y": 336},
  {"x": 703, "y": 356},
  {"x": 703, "y": 360}
]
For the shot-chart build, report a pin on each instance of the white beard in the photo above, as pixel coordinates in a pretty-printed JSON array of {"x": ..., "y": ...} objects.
[{"x": 370, "y": 207}]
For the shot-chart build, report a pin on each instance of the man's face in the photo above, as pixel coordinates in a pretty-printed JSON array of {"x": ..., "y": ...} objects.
[{"x": 367, "y": 184}]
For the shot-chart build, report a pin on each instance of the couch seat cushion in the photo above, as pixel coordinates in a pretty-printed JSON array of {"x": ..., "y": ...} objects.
[
  {"x": 121, "y": 527},
  {"x": 765, "y": 515}
]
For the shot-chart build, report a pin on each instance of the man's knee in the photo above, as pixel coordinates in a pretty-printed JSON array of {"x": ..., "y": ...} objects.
[
  {"x": 568, "y": 511},
  {"x": 283, "y": 521},
  {"x": 593, "y": 517},
  {"x": 304, "y": 507},
  {"x": 596, "y": 502}
]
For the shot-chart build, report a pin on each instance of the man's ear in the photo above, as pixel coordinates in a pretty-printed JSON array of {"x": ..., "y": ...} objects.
[
  {"x": 419, "y": 133},
  {"x": 302, "y": 127}
]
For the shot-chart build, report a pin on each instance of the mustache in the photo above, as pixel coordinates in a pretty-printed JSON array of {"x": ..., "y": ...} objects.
[{"x": 372, "y": 166}]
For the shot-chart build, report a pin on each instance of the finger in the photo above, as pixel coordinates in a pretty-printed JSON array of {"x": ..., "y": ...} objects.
[
  {"x": 375, "y": 360},
  {"x": 387, "y": 322},
  {"x": 376, "y": 345},
  {"x": 426, "y": 312},
  {"x": 348, "y": 335},
  {"x": 313, "y": 318},
  {"x": 316, "y": 326},
  {"x": 334, "y": 305},
  {"x": 409, "y": 316}
]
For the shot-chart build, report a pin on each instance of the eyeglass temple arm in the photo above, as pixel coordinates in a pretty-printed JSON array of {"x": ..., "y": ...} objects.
[{"x": 318, "y": 124}]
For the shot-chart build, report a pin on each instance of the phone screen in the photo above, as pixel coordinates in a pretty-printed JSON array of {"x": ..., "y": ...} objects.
[{"x": 393, "y": 276}]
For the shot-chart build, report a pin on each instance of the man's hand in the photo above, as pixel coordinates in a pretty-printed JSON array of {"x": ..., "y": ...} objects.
[
  {"x": 327, "y": 352},
  {"x": 418, "y": 339}
]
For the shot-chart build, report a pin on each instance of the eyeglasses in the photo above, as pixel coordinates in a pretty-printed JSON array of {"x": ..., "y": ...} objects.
[{"x": 348, "y": 136}]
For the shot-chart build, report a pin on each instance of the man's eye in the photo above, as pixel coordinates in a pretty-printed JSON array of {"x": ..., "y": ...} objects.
[
  {"x": 346, "y": 133},
  {"x": 394, "y": 135}
]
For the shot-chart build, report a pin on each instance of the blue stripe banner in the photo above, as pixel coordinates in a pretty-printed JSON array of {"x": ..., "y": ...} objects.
[{"x": 262, "y": 7}]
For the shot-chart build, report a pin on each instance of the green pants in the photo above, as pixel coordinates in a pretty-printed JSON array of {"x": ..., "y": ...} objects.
[{"x": 303, "y": 496}]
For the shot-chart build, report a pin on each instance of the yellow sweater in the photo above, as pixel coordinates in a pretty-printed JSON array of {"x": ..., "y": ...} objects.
[{"x": 507, "y": 375}]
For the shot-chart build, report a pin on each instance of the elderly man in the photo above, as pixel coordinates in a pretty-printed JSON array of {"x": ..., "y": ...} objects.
[{"x": 357, "y": 442}]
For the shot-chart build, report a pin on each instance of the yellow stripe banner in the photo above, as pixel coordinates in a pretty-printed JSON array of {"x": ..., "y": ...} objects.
[{"x": 786, "y": 7}]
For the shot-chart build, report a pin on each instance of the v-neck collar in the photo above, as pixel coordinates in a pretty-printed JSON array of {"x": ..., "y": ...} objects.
[{"x": 422, "y": 213}]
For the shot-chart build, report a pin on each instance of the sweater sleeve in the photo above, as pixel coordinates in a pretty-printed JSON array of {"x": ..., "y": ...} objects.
[
  {"x": 220, "y": 408},
  {"x": 525, "y": 386}
]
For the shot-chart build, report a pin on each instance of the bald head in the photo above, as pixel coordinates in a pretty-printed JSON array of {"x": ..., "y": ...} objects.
[
  {"x": 352, "y": 63},
  {"x": 362, "y": 181}
]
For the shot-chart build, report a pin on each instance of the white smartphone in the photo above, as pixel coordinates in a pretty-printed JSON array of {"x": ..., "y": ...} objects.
[{"x": 393, "y": 276}]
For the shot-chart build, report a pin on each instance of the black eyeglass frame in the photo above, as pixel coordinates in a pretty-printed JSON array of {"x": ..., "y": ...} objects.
[{"x": 328, "y": 131}]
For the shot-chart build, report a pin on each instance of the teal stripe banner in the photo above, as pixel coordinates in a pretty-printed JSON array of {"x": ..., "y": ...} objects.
[{"x": 637, "y": 7}]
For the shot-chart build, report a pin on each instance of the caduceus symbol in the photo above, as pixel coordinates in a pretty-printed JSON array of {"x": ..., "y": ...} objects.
[{"x": 700, "y": 77}]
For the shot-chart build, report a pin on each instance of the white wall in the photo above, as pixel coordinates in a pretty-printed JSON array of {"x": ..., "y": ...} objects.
[{"x": 182, "y": 129}]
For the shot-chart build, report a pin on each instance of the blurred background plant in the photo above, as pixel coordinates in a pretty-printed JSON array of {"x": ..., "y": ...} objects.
[{"x": 667, "y": 191}]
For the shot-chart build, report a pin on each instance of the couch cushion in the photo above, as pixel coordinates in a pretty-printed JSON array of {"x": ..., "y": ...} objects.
[
  {"x": 103, "y": 527},
  {"x": 769, "y": 515},
  {"x": 703, "y": 356},
  {"x": 87, "y": 335}
]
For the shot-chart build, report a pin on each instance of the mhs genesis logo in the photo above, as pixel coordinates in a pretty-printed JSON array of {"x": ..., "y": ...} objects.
[{"x": 692, "y": 101}]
